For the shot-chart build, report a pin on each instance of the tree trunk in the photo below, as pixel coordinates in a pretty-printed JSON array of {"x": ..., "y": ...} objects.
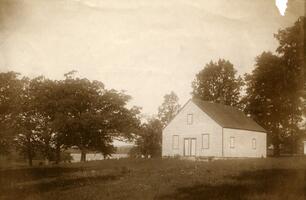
[
  {"x": 30, "y": 157},
  {"x": 58, "y": 154},
  {"x": 295, "y": 146},
  {"x": 276, "y": 151},
  {"x": 276, "y": 142},
  {"x": 83, "y": 155},
  {"x": 30, "y": 162},
  {"x": 29, "y": 149}
]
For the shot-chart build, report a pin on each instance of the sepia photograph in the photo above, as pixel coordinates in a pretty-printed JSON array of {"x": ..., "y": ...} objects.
[{"x": 152, "y": 100}]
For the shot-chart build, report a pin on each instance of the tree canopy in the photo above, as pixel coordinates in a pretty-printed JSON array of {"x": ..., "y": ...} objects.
[
  {"x": 40, "y": 115},
  {"x": 276, "y": 87},
  {"x": 217, "y": 82},
  {"x": 10, "y": 93},
  {"x": 74, "y": 112},
  {"x": 169, "y": 108},
  {"x": 149, "y": 140}
]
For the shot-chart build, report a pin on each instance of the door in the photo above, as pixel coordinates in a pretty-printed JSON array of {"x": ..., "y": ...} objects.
[
  {"x": 186, "y": 147},
  {"x": 193, "y": 147},
  {"x": 189, "y": 146}
]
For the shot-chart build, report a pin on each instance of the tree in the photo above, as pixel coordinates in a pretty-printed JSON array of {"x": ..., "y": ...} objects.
[
  {"x": 264, "y": 99},
  {"x": 45, "y": 116},
  {"x": 148, "y": 142},
  {"x": 21, "y": 121},
  {"x": 45, "y": 96},
  {"x": 10, "y": 90},
  {"x": 28, "y": 131},
  {"x": 27, "y": 123},
  {"x": 169, "y": 108},
  {"x": 293, "y": 53},
  {"x": 84, "y": 114},
  {"x": 276, "y": 86},
  {"x": 218, "y": 83},
  {"x": 292, "y": 50}
]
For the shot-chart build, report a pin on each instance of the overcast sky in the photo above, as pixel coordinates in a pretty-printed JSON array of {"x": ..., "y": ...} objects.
[{"x": 146, "y": 47}]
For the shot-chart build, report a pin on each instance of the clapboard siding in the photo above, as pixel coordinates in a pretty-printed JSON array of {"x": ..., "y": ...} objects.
[
  {"x": 202, "y": 124},
  {"x": 243, "y": 143},
  {"x": 219, "y": 137}
]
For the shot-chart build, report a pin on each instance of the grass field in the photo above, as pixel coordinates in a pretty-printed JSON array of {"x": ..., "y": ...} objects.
[{"x": 272, "y": 178}]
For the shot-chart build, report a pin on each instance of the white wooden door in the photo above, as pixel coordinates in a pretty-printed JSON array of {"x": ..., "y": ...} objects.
[
  {"x": 190, "y": 147},
  {"x": 186, "y": 147}
]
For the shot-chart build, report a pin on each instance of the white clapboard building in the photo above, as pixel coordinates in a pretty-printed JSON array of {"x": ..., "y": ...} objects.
[{"x": 204, "y": 129}]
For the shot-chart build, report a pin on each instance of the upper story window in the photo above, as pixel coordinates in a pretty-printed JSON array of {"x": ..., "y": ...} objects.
[
  {"x": 175, "y": 142},
  {"x": 232, "y": 142},
  {"x": 189, "y": 118},
  {"x": 253, "y": 143},
  {"x": 205, "y": 141}
]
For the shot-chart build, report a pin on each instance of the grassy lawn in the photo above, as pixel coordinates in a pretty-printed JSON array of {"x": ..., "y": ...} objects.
[{"x": 272, "y": 178}]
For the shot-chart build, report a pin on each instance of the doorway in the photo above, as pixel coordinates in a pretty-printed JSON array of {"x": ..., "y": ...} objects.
[{"x": 190, "y": 146}]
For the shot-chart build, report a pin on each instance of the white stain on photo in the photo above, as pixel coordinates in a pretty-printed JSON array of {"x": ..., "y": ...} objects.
[{"x": 282, "y": 6}]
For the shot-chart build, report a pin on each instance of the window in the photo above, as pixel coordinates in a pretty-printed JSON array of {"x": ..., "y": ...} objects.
[
  {"x": 232, "y": 142},
  {"x": 253, "y": 143},
  {"x": 205, "y": 141},
  {"x": 189, "y": 118},
  {"x": 175, "y": 142}
]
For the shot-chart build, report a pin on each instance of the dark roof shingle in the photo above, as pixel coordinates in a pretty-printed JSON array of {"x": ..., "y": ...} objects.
[{"x": 227, "y": 116}]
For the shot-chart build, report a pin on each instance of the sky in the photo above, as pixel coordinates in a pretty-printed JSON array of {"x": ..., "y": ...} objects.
[{"x": 144, "y": 47}]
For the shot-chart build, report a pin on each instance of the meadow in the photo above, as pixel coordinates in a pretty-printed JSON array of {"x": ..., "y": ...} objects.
[{"x": 271, "y": 178}]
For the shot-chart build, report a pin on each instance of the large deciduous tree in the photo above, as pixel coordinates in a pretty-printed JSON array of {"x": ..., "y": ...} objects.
[
  {"x": 169, "y": 108},
  {"x": 264, "y": 99},
  {"x": 85, "y": 114},
  {"x": 10, "y": 89},
  {"x": 28, "y": 122},
  {"x": 218, "y": 83},
  {"x": 293, "y": 54},
  {"x": 22, "y": 124},
  {"x": 46, "y": 116},
  {"x": 276, "y": 87},
  {"x": 44, "y": 99}
]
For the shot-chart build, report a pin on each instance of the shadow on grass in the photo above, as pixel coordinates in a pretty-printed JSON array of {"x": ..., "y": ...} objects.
[
  {"x": 18, "y": 183},
  {"x": 30, "y": 174},
  {"x": 54, "y": 184},
  {"x": 268, "y": 184}
]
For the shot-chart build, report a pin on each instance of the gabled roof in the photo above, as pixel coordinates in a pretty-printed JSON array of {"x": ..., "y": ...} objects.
[{"x": 227, "y": 116}]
